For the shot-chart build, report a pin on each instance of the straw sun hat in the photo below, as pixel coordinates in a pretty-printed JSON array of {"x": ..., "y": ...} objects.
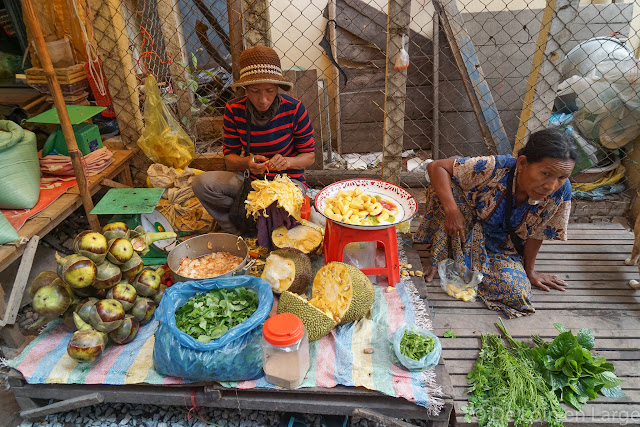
[{"x": 261, "y": 64}]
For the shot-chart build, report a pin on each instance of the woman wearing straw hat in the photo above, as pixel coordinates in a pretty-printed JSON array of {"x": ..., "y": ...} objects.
[{"x": 276, "y": 126}]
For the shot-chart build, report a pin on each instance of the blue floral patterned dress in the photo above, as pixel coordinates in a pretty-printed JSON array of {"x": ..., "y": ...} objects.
[{"x": 479, "y": 186}]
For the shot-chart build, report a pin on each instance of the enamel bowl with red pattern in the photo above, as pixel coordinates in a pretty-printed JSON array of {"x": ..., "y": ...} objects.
[{"x": 396, "y": 199}]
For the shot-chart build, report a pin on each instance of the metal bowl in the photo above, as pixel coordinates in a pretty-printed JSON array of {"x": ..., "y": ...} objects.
[
  {"x": 585, "y": 56},
  {"x": 207, "y": 244}
]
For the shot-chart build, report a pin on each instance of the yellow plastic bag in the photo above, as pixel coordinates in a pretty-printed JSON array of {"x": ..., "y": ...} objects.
[{"x": 163, "y": 140}]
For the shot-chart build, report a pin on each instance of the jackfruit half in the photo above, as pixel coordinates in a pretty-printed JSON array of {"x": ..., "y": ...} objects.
[
  {"x": 344, "y": 291},
  {"x": 316, "y": 322},
  {"x": 288, "y": 269},
  {"x": 306, "y": 237},
  {"x": 341, "y": 294}
]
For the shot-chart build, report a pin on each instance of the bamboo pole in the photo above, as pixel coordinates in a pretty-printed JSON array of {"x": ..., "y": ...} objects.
[{"x": 65, "y": 122}]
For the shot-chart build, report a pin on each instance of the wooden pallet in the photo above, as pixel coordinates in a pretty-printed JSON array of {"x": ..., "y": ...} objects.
[{"x": 598, "y": 297}]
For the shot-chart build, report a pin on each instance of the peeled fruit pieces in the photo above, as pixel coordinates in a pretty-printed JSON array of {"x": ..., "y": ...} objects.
[
  {"x": 316, "y": 323},
  {"x": 51, "y": 301},
  {"x": 76, "y": 270},
  {"x": 288, "y": 269},
  {"x": 306, "y": 237},
  {"x": 341, "y": 294},
  {"x": 92, "y": 245},
  {"x": 106, "y": 315}
]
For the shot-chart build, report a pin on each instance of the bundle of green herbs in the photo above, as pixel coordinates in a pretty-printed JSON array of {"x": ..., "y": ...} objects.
[
  {"x": 568, "y": 366},
  {"x": 526, "y": 383},
  {"x": 504, "y": 386},
  {"x": 209, "y": 316}
]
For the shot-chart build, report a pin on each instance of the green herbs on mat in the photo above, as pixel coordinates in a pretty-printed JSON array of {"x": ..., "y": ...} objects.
[
  {"x": 568, "y": 366},
  {"x": 416, "y": 346},
  {"x": 449, "y": 334},
  {"x": 502, "y": 386},
  {"x": 209, "y": 316}
]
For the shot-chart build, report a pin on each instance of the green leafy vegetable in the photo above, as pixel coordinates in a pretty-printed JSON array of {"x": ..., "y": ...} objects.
[
  {"x": 416, "y": 346},
  {"x": 209, "y": 316},
  {"x": 568, "y": 366},
  {"x": 503, "y": 386},
  {"x": 449, "y": 334}
]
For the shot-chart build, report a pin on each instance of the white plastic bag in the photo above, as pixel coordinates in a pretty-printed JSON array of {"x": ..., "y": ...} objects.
[
  {"x": 429, "y": 360},
  {"x": 402, "y": 60},
  {"x": 608, "y": 101},
  {"x": 458, "y": 281}
]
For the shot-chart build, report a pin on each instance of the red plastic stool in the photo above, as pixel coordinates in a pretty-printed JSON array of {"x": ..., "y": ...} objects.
[
  {"x": 305, "y": 210},
  {"x": 336, "y": 237}
]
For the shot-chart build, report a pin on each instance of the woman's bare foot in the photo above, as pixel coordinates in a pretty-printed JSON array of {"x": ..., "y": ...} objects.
[{"x": 430, "y": 273}]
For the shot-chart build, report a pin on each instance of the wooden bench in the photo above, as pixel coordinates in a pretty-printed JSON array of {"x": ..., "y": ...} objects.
[
  {"x": 598, "y": 298},
  {"x": 41, "y": 224},
  {"x": 48, "y": 218}
]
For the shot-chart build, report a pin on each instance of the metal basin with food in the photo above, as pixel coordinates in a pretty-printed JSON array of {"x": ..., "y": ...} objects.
[{"x": 199, "y": 246}]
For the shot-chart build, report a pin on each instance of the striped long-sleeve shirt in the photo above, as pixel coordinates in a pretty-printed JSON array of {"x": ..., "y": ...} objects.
[{"x": 289, "y": 133}]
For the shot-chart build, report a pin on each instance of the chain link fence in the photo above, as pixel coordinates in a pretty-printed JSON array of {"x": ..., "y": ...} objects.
[{"x": 481, "y": 76}]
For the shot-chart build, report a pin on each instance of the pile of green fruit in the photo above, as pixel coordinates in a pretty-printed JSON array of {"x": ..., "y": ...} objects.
[{"x": 103, "y": 291}]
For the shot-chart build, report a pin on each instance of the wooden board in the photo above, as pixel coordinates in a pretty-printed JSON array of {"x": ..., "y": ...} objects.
[
  {"x": 598, "y": 297},
  {"x": 477, "y": 89}
]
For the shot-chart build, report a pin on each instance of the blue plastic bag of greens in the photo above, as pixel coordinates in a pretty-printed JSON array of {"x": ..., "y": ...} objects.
[
  {"x": 429, "y": 360},
  {"x": 235, "y": 356}
]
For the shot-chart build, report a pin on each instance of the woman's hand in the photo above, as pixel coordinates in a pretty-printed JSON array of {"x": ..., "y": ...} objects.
[
  {"x": 258, "y": 164},
  {"x": 454, "y": 222},
  {"x": 278, "y": 162},
  {"x": 545, "y": 281}
]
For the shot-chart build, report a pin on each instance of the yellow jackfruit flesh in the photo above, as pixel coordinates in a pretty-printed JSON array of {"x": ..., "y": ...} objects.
[
  {"x": 341, "y": 293},
  {"x": 306, "y": 237},
  {"x": 288, "y": 269}
]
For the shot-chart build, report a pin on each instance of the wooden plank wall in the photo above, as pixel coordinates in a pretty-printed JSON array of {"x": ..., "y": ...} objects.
[{"x": 504, "y": 41}]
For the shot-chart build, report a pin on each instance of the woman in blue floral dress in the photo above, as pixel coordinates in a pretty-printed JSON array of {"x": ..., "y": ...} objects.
[{"x": 466, "y": 217}]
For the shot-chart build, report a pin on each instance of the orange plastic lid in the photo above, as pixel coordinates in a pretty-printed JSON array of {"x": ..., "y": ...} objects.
[{"x": 283, "y": 329}]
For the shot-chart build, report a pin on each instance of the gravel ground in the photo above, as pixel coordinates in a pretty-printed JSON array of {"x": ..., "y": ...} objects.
[{"x": 114, "y": 415}]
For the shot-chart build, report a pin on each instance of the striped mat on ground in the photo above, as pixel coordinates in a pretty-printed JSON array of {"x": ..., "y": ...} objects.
[{"x": 337, "y": 358}]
